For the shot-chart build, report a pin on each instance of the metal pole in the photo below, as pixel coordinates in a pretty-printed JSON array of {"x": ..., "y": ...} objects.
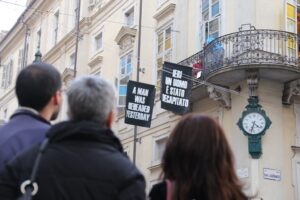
[
  {"x": 138, "y": 74},
  {"x": 77, "y": 35}
]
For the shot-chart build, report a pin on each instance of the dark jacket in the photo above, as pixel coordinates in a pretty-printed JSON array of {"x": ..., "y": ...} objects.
[
  {"x": 158, "y": 191},
  {"x": 24, "y": 129},
  {"x": 83, "y": 161}
]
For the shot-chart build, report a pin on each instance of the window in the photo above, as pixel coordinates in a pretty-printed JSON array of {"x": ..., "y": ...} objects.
[
  {"x": 72, "y": 61},
  {"x": 210, "y": 22},
  {"x": 291, "y": 24},
  {"x": 56, "y": 23},
  {"x": 20, "y": 59},
  {"x": 5, "y": 113},
  {"x": 7, "y": 74},
  {"x": 159, "y": 149},
  {"x": 164, "y": 50},
  {"x": 129, "y": 16},
  {"x": 215, "y": 8},
  {"x": 98, "y": 42},
  {"x": 38, "y": 38},
  {"x": 125, "y": 75}
]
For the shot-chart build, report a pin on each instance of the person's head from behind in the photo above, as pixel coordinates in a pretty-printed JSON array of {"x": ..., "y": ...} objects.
[
  {"x": 92, "y": 98},
  {"x": 199, "y": 160},
  {"x": 38, "y": 87}
]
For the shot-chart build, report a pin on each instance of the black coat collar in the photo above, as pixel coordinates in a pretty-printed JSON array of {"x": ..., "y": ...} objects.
[{"x": 83, "y": 130}]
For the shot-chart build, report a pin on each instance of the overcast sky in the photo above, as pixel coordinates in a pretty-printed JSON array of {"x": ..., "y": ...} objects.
[{"x": 9, "y": 13}]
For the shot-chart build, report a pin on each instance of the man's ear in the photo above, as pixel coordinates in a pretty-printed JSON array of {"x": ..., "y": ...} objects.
[
  {"x": 110, "y": 119},
  {"x": 57, "y": 98}
]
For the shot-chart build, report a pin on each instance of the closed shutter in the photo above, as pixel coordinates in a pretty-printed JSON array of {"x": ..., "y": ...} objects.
[
  {"x": 4, "y": 77},
  {"x": 10, "y": 72}
]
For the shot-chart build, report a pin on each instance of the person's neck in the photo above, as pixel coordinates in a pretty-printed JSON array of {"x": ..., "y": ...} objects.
[{"x": 45, "y": 114}]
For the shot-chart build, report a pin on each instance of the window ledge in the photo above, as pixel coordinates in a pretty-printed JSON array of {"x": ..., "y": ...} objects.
[
  {"x": 165, "y": 11},
  {"x": 96, "y": 59},
  {"x": 296, "y": 148},
  {"x": 155, "y": 165}
]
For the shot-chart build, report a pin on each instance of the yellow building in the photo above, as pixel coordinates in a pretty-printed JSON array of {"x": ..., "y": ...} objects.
[{"x": 251, "y": 48}]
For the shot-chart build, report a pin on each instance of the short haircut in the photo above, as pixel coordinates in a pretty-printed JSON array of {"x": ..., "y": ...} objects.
[
  {"x": 91, "y": 98},
  {"x": 36, "y": 84}
]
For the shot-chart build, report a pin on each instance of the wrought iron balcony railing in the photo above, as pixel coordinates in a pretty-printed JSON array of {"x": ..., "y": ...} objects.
[{"x": 246, "y": 48}]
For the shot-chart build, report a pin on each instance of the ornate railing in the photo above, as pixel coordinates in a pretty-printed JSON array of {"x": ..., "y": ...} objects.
[{"x": 247, "y": 47}]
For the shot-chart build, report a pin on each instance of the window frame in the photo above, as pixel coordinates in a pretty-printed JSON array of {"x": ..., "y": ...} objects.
[
  {"x": 124, "y": 75},
  {"x": 56, "y": 26},
  {"x": 126, "y": 14},
  {"x": 72, "y": 61},
  {"x": 204, "y": 25},
  {"x": 7, "y": 74},
  {"x": 96, "y": 47},
  {"x": 156, "y": 160},
  {"x": 161, "y": 55}
]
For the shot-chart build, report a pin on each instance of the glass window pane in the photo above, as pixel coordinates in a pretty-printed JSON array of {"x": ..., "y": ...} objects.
[
  {"x": 168, "y": 33},
  {"x": 215, "y": 9},
  {"x": 205, "y": 4},
  {"x": 168, "y": 44},
  {"x": 159, "y": 62},
  {"x": 291, "y": 11},
  {"x": 291, "y": 26},
  {"x": 291, "y": 42},
  {"x": 168, "y": 56},
  {"x": 122, "y": 90},
  {"x": 214, "y": 1},
  {"x": 214, "y": 35},
  {"x": 160, "y": 37},
  {"x": 205, "y": 15},
  {"x": 129, "y": 68},
  {"x": 214, "y": 26},
  {"x": 122, "y": 100}
]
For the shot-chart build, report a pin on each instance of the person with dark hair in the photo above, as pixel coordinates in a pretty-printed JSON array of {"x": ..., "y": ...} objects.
[
  {"x": 38, "y": 93},
  {"x": 198, "y": 163},
  {"x": 83, "y": 159}
]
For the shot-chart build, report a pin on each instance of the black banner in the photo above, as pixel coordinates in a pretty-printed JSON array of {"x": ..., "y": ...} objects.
[
  {"x": 176, "y": 88},
  {"x": 139, "y": 103}
]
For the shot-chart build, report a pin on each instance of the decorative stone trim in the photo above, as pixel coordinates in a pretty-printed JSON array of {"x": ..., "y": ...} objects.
[
  {"x": 67, "y": 76},
  {"x": 125, "y": 39},
  {"x": 95, "y": 60},
  {"x": 252, "y": 81},
  {"x": 165, "y": 11},
  {"x": 290, "y": 90},
  {"x": 221, "y": 96}
]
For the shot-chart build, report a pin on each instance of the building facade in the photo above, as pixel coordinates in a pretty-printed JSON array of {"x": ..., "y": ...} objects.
[{"x": 239, "y": 49}]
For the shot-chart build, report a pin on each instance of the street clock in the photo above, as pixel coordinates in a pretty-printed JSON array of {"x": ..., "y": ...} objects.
[{"x": 254, "y": 124}]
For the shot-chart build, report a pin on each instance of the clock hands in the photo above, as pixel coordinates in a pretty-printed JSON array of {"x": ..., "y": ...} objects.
[
  {"x": 257, "y": 125},
  {"x": 253, "y": 123}
]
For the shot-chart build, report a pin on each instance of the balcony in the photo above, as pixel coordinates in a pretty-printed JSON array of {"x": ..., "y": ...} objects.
[{"x": 225, "y": 60}]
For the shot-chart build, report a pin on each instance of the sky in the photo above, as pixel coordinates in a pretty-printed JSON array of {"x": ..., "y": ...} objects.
[{"x": 9, "y": 13}]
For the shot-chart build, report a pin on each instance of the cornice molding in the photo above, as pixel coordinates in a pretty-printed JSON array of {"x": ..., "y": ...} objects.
[
  {"x": 69, "y": 37},
  {"x": 165, "y": 11},
  {"x": 125, "y": 31}
]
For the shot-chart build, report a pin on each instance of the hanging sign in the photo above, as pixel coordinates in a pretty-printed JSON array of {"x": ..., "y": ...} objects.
[
  {"x": 176, "y": 87},
  {"x": 139, "y": 103}
]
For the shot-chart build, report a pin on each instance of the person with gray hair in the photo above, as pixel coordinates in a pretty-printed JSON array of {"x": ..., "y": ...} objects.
[
  {"x": 83, "y": 158},
  {"x": 96, "y": 96}
]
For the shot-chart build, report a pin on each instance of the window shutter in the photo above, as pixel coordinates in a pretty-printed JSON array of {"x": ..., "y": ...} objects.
[
  {"x": 10, "y": 72},
  {"x": 3, "y": 82}
]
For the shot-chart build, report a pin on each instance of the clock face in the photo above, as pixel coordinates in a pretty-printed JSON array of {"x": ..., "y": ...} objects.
[{"x": 254, "y": 123}]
